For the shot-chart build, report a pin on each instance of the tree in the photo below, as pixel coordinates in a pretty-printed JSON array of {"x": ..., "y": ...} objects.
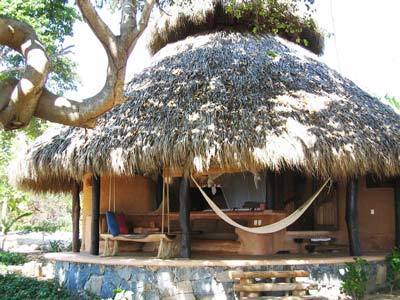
[{"x": 23, "y": 98}]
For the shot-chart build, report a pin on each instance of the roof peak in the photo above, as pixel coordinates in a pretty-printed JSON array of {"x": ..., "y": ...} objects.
[{"x": 276, "y": 18}]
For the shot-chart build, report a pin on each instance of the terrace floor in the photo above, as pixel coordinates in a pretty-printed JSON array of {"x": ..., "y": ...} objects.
[{"x": 200, "y": 260}]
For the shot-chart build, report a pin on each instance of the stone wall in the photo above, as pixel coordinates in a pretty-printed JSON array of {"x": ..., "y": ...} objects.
[{"x": 190, "y": 283}]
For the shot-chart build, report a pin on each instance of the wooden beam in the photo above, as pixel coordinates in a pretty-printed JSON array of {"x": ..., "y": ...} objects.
[
  {"x": 352, "y": 217},
  {"x": 169, "y": 172},
  {"x": 184, "y": 217},
  {"x": 270, "y": 189},
  {"x": 76, "y": 213},
  {"x": 159, "y": 190},
  {"x": 397, "y": 210},
  {"x": 94, "y": 246}
]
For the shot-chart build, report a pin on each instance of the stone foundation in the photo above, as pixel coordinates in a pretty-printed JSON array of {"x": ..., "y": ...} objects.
[{"x": 198, "y": 282}]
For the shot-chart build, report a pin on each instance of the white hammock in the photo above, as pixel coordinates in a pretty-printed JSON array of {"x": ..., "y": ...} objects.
[{"x": 271, "y": 228}]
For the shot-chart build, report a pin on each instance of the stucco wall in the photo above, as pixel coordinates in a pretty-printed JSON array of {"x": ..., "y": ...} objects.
[
  {"x": 376, "y": 230},
  {"x": 132, "y": 195}
]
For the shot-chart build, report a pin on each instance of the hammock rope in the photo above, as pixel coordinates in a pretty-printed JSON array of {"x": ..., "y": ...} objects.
[{"x": 270, "y": 228}]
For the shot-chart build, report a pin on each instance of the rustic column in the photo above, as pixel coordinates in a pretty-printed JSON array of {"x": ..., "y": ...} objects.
[
  {"x": 184, "y": 217},
  {"x": 300, "y": 189},
  {"x": 94, "y": 246},
  {"x": 279, "y": 202},
  {"x": 159, "y": 191},
  {"x": 76, "y": 213},
  {"x": 270, "y": 190},
  {"x": 397, "y": 209},
  {"x": 352, "y": 217}
]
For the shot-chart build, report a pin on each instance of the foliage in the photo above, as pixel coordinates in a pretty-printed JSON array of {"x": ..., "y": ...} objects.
[
  {"x": 44, "y": 226},
  {"x": 53, "y": 21},
  {"x": 13, "y": 287},
  {"x": 354, "y": 281},
  {"x": 393, "y": 276},
  {"x": 10, "y": 258},
  {"x": 6, "y": 223},
  {"x": 14, "y": 203},
  {"x": 277, "y": 17},
  {"x": 284, "y": 18},
  {"x": 56, "y": 246},
  {"x": 393, "y": 101}
]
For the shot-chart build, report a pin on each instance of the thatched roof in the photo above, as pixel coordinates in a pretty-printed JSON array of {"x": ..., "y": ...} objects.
[
  {"x": 278, "y": 17},
  {"x": 229, "y": 100}
]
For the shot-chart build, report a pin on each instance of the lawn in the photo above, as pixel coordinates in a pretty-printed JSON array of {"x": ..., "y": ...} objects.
[
  {"x": 14, "y": 286},
  {"x": 19, "y": 287}
]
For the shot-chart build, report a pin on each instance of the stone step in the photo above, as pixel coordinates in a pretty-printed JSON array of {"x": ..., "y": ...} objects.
[
  {"x": 273, "y": 287},
  {"x": 284, "y": 298},
  {"x": 268, "y": 274}
]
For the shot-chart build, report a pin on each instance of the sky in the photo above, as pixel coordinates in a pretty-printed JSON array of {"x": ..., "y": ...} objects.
[{"x": 363, "y": 44}]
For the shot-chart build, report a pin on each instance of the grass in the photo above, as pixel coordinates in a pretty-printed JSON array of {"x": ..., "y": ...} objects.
[
  {"x": 9, "y": 258},
  {"x": 13, "y": 287}
]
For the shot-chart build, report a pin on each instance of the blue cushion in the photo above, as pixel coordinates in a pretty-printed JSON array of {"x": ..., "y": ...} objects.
[{"x": 112, "y": 223}]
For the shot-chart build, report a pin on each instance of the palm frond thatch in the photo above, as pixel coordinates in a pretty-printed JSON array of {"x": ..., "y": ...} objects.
[
  {"x": 215, "y": 17},
  {"x": 229, "y": 100}
]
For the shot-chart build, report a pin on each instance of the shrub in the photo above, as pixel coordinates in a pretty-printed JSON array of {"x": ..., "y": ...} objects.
[
  {"x": 9, "y": 258},
  {"x": 393, "y": 276},
  {"x": 355, "y": 278},
  {"x": 44, "y": 226},
  {"x": 56, "y": 246},
  {"x": 13, "y": 287}
]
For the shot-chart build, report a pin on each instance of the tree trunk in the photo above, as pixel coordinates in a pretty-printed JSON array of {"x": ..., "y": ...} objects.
[
  {"x": 3, "y": 220},
  {"x": 76, "y": 212},
  {"x": 94, "y": 247},
  {"x": 184, "y": 217},
  {"x": 352, "y": 217}
]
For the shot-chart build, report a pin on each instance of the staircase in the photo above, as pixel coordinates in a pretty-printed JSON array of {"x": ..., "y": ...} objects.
[{"x": 271, "y": 284}]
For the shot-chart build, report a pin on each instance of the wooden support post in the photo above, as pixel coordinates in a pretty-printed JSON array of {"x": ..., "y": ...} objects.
[
  {"x": 279, "y": 202},
  {"x": 94, "y": 247},
  {"x": 305, "y": 222},
  {"x": 184, "y": 217},
  {"x": 270, "y": 190},
  {"x": 76, "y": 213},
  {"x": 397, "y": 209},
  {"x": 352, "y": 217},
  {"x": 159, "y": 191}
]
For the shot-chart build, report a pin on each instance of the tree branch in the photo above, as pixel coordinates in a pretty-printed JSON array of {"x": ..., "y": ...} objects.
[
  {"x": 17, "y": 109},
  {"x": 146, "y": 12},
  {"x": 21, "y": 99},
  {"x": 99, "y": 28},
  {"x": 131, "y": 32},
  {"x": 128, "y": 18}
]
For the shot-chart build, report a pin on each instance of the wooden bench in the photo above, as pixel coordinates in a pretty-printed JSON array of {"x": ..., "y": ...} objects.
[
  {"x": 168, "y": 240},
  {"x": 249, "y": 288}
]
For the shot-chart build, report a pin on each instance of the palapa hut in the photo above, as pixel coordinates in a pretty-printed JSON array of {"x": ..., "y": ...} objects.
[{"x": 258, "y": 122}]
